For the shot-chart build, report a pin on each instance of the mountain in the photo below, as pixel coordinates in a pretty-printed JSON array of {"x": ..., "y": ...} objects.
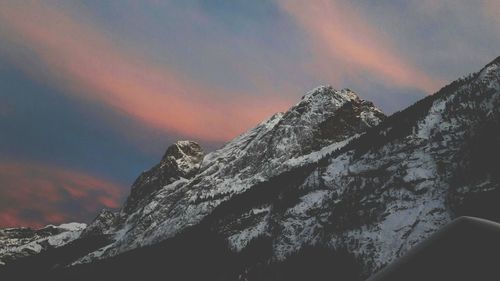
[
  {"x": 322, "y": 121},
  {"x": 330, "y": 188},
  {"x": 16, "y": 243}
]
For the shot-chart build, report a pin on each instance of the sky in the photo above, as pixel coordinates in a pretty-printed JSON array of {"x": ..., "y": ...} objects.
[{"x": 93, "y": 92}]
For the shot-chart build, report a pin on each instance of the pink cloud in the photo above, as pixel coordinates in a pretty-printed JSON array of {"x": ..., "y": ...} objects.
[
  {"x": 36, "y": 194},
  {"x": 491, "y": 9},
  {"x": 344, "y": 42},
  {"x": 87, "y": 63},
  {"x": 11, "y": 218}
]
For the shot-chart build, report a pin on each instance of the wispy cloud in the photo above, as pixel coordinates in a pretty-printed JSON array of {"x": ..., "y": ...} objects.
[
  {"x": 33, "y": 194},
  {"x": 492, "y": 10},
  {"x": 86, "y": 62},
  {"x": 345, "y": 44}
]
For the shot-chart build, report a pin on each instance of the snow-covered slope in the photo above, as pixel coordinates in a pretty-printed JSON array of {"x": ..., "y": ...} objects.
[{"x": 16, "y": 243}]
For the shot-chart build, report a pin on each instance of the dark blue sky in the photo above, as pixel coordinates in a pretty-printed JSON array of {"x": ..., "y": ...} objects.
[{"x": 92, "y": 92}]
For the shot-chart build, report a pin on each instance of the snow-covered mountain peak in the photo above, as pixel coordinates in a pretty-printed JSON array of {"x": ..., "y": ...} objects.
[
  {"x": 163, "y": 202},
  {"x": 304, "y": 128},
  {"x": 187, "y": 155},
  {"x": 181, "y": 160},
  {"x": 325, "y": 92}
]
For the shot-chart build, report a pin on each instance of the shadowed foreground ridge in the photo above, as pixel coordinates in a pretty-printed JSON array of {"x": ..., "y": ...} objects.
[
  {"x": 329, "y": 190},
  {"x": 466, "y": 249}
]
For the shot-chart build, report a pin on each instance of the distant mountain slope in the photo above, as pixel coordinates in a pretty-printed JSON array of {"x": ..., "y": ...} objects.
[{"x": 16, "y": 243}]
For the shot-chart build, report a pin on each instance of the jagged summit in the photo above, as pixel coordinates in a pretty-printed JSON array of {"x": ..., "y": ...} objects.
[
  {"x": 187, "y": 156},
  {"x": 181, "y": 160},
  {"x": 327, "y": 91}
]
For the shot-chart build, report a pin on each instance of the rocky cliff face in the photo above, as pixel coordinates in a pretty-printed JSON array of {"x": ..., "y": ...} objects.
[
  {"x": 181, "y": 160},
  {"x": 330, "y": 178}
]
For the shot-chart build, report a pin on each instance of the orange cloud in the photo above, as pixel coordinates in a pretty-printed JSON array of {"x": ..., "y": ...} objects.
[
  {"x": 345, "y": 42},
  {"x": 11, "y": 218},
  {"x": 88, "y": 63},
  {"x": 36, "y": 194},
  {"x": 491, "y": 9}
]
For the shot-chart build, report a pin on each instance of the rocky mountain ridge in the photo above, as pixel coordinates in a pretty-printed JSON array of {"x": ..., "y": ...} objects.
[{"x": 276, "y": 145}]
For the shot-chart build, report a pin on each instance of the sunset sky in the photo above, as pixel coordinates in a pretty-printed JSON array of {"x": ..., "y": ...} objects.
[{"x": 92, "y": 92}]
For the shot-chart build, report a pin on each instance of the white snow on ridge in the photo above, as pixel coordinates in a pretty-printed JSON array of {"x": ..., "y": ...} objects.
[{"x": 15, "y": 247}]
